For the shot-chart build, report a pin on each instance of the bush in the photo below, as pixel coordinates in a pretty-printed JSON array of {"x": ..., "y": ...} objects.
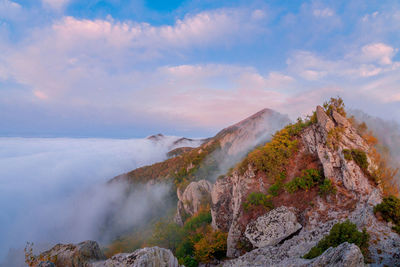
[
  {"x": 359, "y": 156},
  {"x": 212, "y": 245},
  {"x": 258, "y": 199},
  {"x": 326, "y": 188},
  {"x": 202, "y": 218},
  {"x": 335, "y": 104},
  {"x": 390, "y": 211},
  {"x": 309, "y": 179},
  {"x": 273, "y": 157},
  {"x": 188, "y": 261},
  {"x": 275, "y": 188},
  {"x": 340, "y": 233}
]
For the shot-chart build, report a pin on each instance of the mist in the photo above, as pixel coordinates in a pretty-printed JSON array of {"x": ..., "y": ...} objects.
[
  {"x": 388, "y": 134},
  {"x": 54, "y": 190}
]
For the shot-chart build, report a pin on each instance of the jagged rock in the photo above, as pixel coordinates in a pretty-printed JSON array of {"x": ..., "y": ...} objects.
[
  {"x": 145, "y": 257},
  {"x": 345, "y": 254},
  {"x": 272, "y": 228},
  {"x": 190, "y": 201},
  {"x": 226, "y": 209},
  {"x": 71, "y": 255},
  {"x": 355, "y": 198},
  {"x": 340, "y": 120},
  {"x": 324, "y": 119}
]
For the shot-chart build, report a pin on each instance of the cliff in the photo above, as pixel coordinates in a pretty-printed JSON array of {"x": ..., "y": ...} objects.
[{"x": 324, "y": 144}]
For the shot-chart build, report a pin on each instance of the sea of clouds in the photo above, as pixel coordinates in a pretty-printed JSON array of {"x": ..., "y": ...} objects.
[{"x": 54, "y": 189}]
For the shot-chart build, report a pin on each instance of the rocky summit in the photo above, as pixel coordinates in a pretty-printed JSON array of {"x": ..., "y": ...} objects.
[{"x": 315, "y": 193}]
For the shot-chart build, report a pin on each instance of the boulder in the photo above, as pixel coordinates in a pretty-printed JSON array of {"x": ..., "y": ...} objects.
[
  {"x": 345, "y": 254},
  {"x": 145, "y": 257},
  {"x": 195, "y": 195},
  {"x": 72, "y": 255},
  {"x": 272, "y": 228}
]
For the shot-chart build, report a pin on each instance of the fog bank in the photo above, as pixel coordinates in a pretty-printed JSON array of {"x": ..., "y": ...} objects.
[{"x": 53, "y": 189}]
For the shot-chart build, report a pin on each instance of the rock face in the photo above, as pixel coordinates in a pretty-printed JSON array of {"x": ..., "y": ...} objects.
[
  {"x": 345, "y": 254},
  {"x": 145, "y": 257},
  {"x": 356, "y": 196},
  {"x": 193, "y": 197},
  {"x": 272, "y": 228},
  {"x": 70, "y": 255}
]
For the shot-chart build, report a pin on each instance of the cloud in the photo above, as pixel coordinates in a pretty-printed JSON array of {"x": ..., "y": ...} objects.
[
  {"x": 55, "y": 4},
  {"x": 323, "y": 13},
  {"x": 368, "y": 61},
  {"x": 378, "y": 52},
  {"x": 53, "y": 190},
  {"x": 9, "y": 9}
]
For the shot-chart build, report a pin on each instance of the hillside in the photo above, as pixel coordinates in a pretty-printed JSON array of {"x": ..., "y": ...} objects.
[{"x": 215, "y": 156}]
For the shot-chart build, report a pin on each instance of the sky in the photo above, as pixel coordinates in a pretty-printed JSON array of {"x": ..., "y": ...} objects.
[{"x": 133, "y": 68}]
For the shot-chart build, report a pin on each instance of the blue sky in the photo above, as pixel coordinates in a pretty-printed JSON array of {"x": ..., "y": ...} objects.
[{"x": 133, "y": 68}]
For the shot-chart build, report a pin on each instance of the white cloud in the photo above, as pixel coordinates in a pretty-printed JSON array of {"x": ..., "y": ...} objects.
[
  {"x": 52, "y": 189},
  {"x": 323, "y": 13},
  {"x": 368, "y": 61},
  {"x": 55, "y": 4},
  {"x": 378, "y": 52}
]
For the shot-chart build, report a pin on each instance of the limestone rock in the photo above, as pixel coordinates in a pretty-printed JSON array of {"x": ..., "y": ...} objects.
[
  {"x": 190, "y": 201},
  {"x": 340, "y": 120},
  {"x": 345, "y": 254},
  {"x": 71, "y": 255},
  {"x": 272, "y": 228},
  {"x": 145, "y": 257},
  {"x": 323, "y": 119}
]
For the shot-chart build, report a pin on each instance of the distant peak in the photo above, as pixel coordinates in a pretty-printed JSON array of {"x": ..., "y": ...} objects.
[{"x": 156, "y": 137}]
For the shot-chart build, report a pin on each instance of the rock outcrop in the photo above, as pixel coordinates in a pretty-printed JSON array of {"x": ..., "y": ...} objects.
[
  {"x": 345, "y": 254},
  {"x": 195, "y": 195},
  {"x": 272, "y": 228},
  {"x": 324, "y": 141},
  {"x": 149, "y": 257},
  {"x": 72, "y": 255}
]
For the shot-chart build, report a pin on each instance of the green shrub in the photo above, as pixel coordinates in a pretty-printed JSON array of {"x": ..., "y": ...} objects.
[
  {"x": 326, "y": 188},
  {"x": 275, "y": 188},
  {"x": 258, "y": 199},
  {"x": 198, "y": 220},
  {"x": 340, "y": 233},
  {"x": 309, "y": 179},
  {"x": 390, "y": 211},
  {"x": 359, "y": 157},
  {"x": 188, "y": 261}
]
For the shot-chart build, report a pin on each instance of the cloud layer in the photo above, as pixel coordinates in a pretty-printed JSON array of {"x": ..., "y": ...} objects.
[{"x": 52, "y": 190}]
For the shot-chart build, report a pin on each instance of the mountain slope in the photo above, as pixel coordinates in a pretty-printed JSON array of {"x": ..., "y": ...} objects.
[
  {"x": 345, "y": 188},
  {"x": 215, "y": 156}
]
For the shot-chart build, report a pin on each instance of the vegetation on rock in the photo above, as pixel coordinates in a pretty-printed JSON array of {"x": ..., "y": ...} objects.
[
  {"x": 309, "y": 179},
  {"x": 340, "y": 233},
  {"x": 258, "y": 199},
  {"x": 336, "y": 104},
  {"x": 195, "y": 242},
  {"x": 389, "y": 209},
  {"x": 359, "y": 157},
  {"x": 273, "y": 157}
]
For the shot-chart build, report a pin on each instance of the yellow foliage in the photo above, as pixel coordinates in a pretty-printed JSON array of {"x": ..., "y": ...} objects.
[{"x": 212, "y": 245}]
